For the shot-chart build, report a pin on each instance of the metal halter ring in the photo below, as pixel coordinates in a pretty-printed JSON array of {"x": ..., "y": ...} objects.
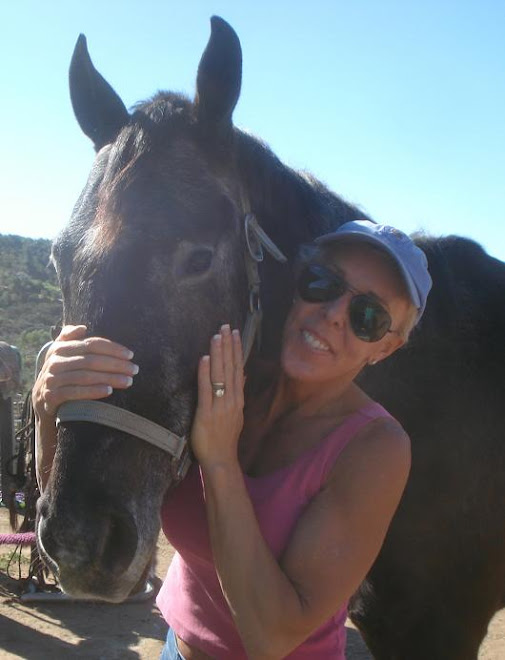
[{"x": 218, "y": 389}]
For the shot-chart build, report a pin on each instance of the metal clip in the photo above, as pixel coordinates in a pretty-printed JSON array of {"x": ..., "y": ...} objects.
[
  {"x": 260, "y": 239},
  {"x": 254, "y": 301}
]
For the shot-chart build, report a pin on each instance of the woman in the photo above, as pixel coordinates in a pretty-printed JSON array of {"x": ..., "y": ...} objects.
[{"x": 287, "y": 509}]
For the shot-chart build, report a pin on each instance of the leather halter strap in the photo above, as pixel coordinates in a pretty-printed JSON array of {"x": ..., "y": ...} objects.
[
  {"x": 106, "y": 414},
  {"x": 109, "y": 415},
  {"x": 256, "y": 239}
]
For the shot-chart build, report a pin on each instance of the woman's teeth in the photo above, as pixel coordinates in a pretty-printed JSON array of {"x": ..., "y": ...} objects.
[{"x": 313, "y": 342}]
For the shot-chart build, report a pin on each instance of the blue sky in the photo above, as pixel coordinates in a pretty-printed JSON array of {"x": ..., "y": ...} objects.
[{"x": 397, "y": 106}]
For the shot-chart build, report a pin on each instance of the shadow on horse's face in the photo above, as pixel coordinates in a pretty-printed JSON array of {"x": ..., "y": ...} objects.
[{"x": 153, "y": 259}]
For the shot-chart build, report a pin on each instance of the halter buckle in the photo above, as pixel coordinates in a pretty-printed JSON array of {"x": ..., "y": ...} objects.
[{"x": 254, "y": 301}]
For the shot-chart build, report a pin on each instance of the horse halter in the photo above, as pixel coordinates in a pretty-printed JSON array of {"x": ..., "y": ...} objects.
[
  {"x": 177, "y": 446},
  {"x": 256, "y": 239}
]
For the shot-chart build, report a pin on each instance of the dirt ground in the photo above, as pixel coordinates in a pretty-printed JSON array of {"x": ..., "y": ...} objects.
[{"x": 131, "y": 631}]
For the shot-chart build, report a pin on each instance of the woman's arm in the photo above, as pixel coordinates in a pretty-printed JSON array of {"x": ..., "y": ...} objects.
[
  {"x": 75, "y": 367},
  {"x": 277, "y": 605}
]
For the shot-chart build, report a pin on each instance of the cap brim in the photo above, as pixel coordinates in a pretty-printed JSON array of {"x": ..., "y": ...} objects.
[{"x": 375, "y": 240}]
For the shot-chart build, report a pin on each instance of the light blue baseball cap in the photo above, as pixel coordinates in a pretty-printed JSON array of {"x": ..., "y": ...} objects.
[{"x": 411, "y": 260}]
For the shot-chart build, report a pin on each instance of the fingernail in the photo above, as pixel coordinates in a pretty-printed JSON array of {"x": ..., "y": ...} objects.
[
  {"x": 236, "y": 333},
  {"x": 128, "y": 354},
  {"x": 108, "y": 390},
  {"x": 225, "y": 327},
  {"x": 128, "y": 380},
  {"x": 216, "y": 337},
  {"x": 135, "y": 369}
]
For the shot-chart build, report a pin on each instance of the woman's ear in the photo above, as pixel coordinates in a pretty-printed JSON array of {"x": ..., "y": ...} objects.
[{"x": 390, "y": 344}]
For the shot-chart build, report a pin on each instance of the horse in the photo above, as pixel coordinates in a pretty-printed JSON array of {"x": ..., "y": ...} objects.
[{"x": 156, "y": 256}]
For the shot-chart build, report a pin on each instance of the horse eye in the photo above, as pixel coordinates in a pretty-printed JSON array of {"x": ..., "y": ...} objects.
[{"x": 198, "y": 262}]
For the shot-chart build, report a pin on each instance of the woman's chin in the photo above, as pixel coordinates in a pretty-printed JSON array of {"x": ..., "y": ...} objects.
[
  {"x": 304, "y": 370},
  {"x": 305, "y": 361}
]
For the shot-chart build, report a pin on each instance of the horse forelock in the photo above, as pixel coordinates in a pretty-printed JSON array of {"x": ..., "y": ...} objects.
[
  {"x": 154, "y": 188},
  {"x": 145, "y": 187},
  {"x": 165, "y": 105},
  {"x": 161, "y": 149}
]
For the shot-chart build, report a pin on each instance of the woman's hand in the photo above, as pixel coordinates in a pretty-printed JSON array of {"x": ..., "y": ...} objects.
[
  {"x": 75, "y": 367},
  {"x": 219, "y": 419},
  {"x": 80, "y": 367}
]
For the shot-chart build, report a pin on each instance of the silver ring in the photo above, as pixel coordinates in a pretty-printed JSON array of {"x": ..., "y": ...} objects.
[{"x": 218, "y": 389}]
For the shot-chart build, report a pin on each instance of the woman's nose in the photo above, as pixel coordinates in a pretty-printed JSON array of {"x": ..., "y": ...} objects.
[{"x": 337, "y": 310}]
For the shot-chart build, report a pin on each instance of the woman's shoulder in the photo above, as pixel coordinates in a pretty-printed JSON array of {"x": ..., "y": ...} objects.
[
  {"x": 377, "y": 442},
  {"x": 358, "y": 411},
  {"x": 369, "y": 416},
  {"x": 385, "y": 433}
]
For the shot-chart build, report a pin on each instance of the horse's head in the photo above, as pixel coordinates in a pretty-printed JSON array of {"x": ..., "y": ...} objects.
[{"x": 153, "y": 258}]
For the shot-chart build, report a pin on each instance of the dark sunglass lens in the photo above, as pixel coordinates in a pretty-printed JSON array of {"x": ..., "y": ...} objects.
[
  {"x": 318, "y": 284},
  {"x": 369, "y": 320}
]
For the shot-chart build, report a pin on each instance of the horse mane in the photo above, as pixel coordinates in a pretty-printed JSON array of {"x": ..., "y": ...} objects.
[
  {"x": 149, "y": 128},
  {"x": 280, "y": 195},
  {"x": 466, "y": 305}
]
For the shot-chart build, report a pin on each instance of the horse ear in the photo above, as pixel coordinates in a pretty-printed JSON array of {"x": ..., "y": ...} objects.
[
  {"x": 98, "y": 109},
  {"x": 219, "y": 75}
]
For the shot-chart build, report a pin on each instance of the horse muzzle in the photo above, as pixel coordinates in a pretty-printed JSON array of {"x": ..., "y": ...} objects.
[{"x": 95, "y": 555}]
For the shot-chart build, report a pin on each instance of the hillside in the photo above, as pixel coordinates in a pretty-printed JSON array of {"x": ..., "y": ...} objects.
[{"x": 29, "y": 297}]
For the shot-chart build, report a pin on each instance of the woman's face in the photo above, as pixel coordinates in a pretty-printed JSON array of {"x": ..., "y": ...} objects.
[{"x": 319, "y": 344}]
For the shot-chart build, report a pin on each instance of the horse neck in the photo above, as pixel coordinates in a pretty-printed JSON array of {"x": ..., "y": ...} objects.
[{"x": 293, "y": 208}]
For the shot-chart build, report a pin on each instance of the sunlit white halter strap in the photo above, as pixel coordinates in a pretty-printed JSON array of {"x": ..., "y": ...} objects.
[
  {"x": 109, "y": 415},
  {"x": 256, "y": 239},
  {"x": 106, "y": 414}
]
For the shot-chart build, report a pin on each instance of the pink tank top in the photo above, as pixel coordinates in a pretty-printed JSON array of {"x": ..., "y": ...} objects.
[{"x": 191, "y": 599}]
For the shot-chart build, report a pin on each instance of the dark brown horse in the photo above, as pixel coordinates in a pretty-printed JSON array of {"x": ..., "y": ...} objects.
[{"x": 153, "y": 257}]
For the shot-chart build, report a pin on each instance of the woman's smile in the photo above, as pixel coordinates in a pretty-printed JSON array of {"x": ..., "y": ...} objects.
[{"x": 315, "y": 342}]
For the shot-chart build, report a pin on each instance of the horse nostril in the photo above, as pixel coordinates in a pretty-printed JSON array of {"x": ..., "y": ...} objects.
[
  {"x": 119, "y": 543},
  {"x": 109, "y": 552}
]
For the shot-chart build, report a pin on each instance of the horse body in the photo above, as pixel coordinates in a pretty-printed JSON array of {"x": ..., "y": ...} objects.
[
  {"x": 440, "y": 576},
  {"x": 153, "y": 258}
]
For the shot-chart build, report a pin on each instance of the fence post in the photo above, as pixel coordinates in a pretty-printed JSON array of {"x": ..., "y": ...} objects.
[{"x": 6, "y": 445}]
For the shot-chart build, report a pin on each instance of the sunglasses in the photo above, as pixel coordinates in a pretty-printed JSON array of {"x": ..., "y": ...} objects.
[{"x": 369, "y": 320}]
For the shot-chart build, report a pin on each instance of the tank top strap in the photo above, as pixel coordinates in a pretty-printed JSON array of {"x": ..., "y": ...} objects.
[{"x": 337, "y": 440}]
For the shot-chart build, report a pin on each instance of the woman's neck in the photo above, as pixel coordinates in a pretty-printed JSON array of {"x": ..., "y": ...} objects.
[{"x": 309, "y": 399}]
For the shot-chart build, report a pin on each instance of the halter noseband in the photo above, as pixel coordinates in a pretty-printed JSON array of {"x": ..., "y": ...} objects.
[{"x": 109, "y": 415}]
